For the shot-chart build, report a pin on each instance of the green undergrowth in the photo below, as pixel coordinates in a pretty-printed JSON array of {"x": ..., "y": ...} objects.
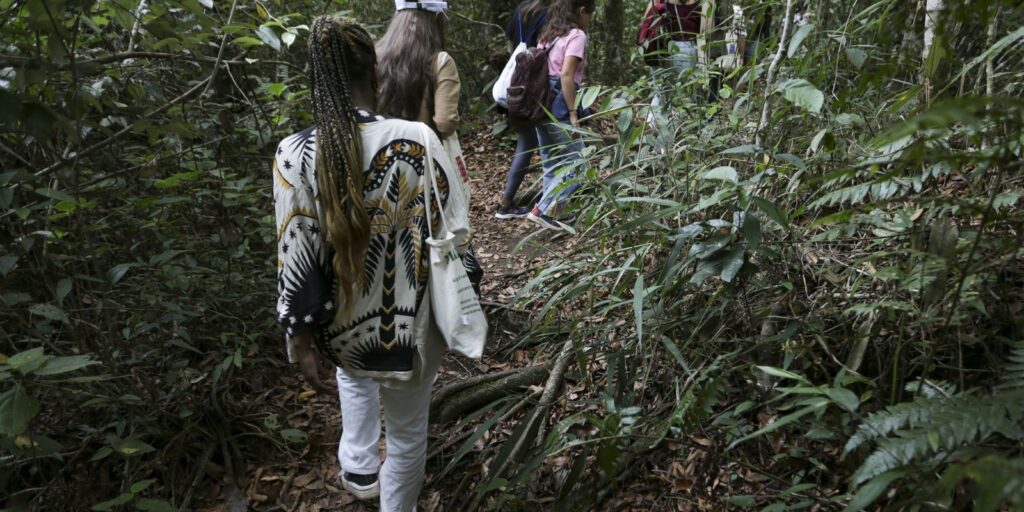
[{"x": 836, "y": 311}]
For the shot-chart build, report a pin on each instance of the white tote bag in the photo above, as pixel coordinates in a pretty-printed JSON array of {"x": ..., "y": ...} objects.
[
  {"x": 500, "y": 90},
  {"x": 456, "y": 309},
  {"x": 451, "y": 143}
]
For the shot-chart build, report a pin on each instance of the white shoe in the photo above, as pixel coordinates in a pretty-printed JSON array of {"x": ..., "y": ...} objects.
[{"x": 363, "y": 487}]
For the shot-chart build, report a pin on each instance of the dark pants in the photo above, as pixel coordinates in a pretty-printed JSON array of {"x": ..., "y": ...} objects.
[{"x": 526, "y": 144}]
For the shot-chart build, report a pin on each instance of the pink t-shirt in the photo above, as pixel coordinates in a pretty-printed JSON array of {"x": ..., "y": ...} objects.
[{"x": 572, "y": 44}]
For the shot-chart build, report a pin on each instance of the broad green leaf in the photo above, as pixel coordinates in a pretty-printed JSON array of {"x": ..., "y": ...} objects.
[
  {"x": 798, "y": 38},
  {"x": 746, "y": 149},
  {"x": 17, "y": 408},
  {"x": 141, "y": 485},
  {"x": 589, "y": 96},
  {"x": 846, "y": 119},
  {"x": 65, "y": 364},
  {"x": 120, "y": 500},
  {"x": 34, "y": 445},
  {"x": 773, "y": 212},
  {"x": 207, "y": 3},
  {"x": 733, "y": 263},
  {"x": 782, "y": 374},
  {"x": 133, "y": 447},
  {"x": 293, "y": 435},
  {"x": 102, "y": 453},
  {"x": 608, "y": 456},
  {"x": 246, "y": 41},
  {"x": 856, "y": 56},
  {"x": 752, "y": 231},
  {"x": 870, "y": 491},
  {"x": 269, "y": 37},
  {"x": 176, "y": 179},
  {"x": 803, "y": 94},
  {"x": 844, "y": 398},
  {"x": 935, "y": 55},
  {"x": 276, "y": 89},
  {"x": 288, "y": 38},
  {"x": 54, "y": 193},
  {"x": 28, "y": 361},
  {"x": 723, "y": 173},
  {"x": 7, "y": 264},
  {"x": 115, "y": 274},
  {"x": 709, "y": 247},
  {"x": 63, "y": 289}
]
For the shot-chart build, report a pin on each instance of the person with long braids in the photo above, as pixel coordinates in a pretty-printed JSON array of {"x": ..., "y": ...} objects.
[{"x": 352, "y": 262}]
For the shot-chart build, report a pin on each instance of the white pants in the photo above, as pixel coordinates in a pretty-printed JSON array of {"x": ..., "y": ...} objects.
[{"x": 405, "y": 420}]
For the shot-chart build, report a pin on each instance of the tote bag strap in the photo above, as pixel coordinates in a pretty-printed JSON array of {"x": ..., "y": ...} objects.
[
  {"x": 519, "y": 15},
  {"x": 429, "y": 186}
]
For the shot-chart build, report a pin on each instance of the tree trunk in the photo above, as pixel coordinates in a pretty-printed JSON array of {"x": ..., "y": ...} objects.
[
  {"x": 614, "y": 45},
  {"x": 932, "y": 12}
]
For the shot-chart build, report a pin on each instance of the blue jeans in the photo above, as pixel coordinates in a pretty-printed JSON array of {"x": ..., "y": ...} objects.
[
  {"x": 561, "y": 165},
  {"x": 560, "y": 153}
]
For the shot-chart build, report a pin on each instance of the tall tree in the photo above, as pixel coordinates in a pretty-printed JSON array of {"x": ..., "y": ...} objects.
[{"x": 614, "y": 28}]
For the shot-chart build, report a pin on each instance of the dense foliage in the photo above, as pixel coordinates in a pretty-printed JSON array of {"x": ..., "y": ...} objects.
[{"x": 814, "y": 280}]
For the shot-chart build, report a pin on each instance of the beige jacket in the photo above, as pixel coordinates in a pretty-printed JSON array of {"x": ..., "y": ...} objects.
[{"x": 445, "y": 118}]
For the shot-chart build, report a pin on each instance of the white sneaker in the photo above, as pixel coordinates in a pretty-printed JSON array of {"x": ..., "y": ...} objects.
[{"x": 363, "y": 487}]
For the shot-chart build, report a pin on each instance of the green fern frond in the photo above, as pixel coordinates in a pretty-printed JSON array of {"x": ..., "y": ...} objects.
[
  {"x": 929, "y": 427},
  {"x": 1014, "y": 378}
]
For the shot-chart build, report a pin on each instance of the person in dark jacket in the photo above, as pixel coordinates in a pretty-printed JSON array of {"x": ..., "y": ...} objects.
[{"x": 525, "y": 27}]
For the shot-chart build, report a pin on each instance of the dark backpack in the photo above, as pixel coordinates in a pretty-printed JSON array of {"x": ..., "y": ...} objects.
[{"x": 530, "y": 94}]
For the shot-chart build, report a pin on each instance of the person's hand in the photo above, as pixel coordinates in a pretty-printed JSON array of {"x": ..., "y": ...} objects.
[
  {"x": 310, "y": 364},
  {"x": 574, "y": 118}
]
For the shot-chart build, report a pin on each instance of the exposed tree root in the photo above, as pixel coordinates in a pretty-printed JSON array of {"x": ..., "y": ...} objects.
[{"x": 464, "y": 396}]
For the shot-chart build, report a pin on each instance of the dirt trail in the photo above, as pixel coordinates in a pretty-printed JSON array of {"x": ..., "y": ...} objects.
[{"x": 305, "y": 480}]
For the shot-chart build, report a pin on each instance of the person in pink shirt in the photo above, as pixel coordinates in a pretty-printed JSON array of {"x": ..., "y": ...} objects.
[{"x": 566, "y": 35}]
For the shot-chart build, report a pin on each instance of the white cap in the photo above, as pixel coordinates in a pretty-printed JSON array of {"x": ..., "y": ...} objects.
[{"x": 423, "y": 5}]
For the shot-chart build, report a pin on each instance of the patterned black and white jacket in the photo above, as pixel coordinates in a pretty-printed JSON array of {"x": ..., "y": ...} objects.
[{"x": 389, "y": 333}]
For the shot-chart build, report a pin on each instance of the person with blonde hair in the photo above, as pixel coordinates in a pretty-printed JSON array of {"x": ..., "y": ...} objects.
[{"x": 349, "y": 196}]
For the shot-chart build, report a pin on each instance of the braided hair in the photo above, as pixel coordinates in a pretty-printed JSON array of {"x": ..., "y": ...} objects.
[{"x": 341, "y": 53}]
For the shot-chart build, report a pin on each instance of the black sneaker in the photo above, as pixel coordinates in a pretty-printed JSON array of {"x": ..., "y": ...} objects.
[
  {"x": 512, "y": 212},
  {"x": 568, "y": 219},
  {"x": 363, "y": 487},
  {"x": 547, "y": 222}
]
